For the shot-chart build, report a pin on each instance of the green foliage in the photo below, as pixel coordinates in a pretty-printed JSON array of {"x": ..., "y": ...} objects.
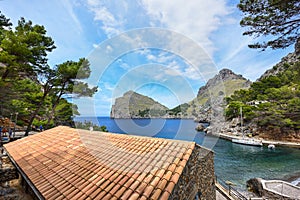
[
  {"x": 233, "y": 110},
  {"x": 279, "y": 19},
  {"x": 37, "y": 123},
  {"x": 68, "y": 78},
  {"x": 144, "y": 113},
  {"x": 4, "y": 22},
  {"x": 275, "y": 100},
  {"x": 24, "y": 50},
  {"x": 64, "y": 113},
  {"x": 29, "y": 86},
  {"x": 179, "y": 109},
  {"x": 88, "y": 124}
]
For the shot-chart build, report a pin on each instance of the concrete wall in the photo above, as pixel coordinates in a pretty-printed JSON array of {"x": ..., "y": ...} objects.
[
  {"x": 273, "y": 195},
  {"x": 197, "y": 177},
  {"x": 276, "y": 189}
]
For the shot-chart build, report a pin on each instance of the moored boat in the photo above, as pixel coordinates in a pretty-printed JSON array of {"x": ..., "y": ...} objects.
[
  {"x": 252, "y": 142},
  {"x": 246, "y": 141}
]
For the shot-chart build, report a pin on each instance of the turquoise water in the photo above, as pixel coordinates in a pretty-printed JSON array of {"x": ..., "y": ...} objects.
[{"x": 233, "y": 162}]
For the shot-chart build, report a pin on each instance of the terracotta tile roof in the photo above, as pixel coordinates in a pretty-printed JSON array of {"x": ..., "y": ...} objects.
[{"x": 66, "y": 163}]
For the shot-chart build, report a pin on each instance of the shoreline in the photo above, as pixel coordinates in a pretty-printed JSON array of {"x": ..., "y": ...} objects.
[{"x": 265, "y": 142}]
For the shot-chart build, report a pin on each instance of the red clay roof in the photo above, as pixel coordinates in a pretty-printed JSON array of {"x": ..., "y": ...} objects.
[{"x": 66, "y": 163}]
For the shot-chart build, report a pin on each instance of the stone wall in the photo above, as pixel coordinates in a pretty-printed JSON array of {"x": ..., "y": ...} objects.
[
  {"x": 8, "y": 174},
  {"x": 197, "y": 177},
  {"x": 7, "y": 171}
]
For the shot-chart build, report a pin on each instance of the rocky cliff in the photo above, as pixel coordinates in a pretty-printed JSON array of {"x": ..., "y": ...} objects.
[
  {"x": 266, "y": 122},
  {"x": 208, "y": 104},
  {"x": 134, "y": 105},
  {"x": 280, "y": 67},
  {"x": 210, "y": 99}
]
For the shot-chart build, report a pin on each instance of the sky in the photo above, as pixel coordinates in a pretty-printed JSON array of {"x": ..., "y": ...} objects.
[{"x": 163, "y": 49}]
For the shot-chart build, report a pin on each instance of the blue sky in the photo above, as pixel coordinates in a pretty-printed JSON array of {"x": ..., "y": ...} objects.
[{"x": 161, "y": 49}]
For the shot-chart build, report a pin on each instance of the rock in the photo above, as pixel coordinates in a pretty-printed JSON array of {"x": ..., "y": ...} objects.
[
  {"x": 280, "y": 67},
  {"x": 234, "y": 122},
  {"x": 254, "y": 185},
  {"x": 200, "y": 127},
  {"x": 208, "y": 130},
  {"x": 230, "y": 183},
  {"x": 209, "y": 103},
  {"x": 135, "y": 105},
  {"x": 297, "y": 47}
]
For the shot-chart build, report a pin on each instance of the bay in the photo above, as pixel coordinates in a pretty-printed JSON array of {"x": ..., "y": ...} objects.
[{"x": 233, "y": 162}]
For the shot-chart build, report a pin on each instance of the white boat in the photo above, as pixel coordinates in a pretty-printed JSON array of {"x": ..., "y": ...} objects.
[
  {"x": 246, "y": 141},
  {"x": 271, "y": 146}
]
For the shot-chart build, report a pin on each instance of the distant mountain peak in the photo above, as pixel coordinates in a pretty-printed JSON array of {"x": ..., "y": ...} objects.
[
  {"x": 129, "y": 92},
  {"x": 223, "y": 76},
  {"x": 229, "y": 74},
  {"x": 135, "y": 105}
]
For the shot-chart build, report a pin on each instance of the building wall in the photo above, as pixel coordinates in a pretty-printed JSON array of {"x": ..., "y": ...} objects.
[{"x": 197, "y": 177}]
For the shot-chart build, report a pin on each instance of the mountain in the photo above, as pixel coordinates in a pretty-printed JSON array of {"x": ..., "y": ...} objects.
[
  {"x": 135, "y": 105},
  {"x": 221, "y": 85},
  {"x": 282, "y": 65},
  {"x": 271, "y": 106}
]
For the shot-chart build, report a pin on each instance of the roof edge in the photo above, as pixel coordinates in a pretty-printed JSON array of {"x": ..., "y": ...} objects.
[{"x": 203, "y": 147}]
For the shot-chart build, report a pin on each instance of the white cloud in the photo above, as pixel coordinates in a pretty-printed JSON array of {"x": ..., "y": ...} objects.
[
  {"x": 109, "y": 49},
  {"x": 93, "y": 3},
  {"x": 110, "y": 24},
  {"x": 151, "y": 57},
  {"x": 162, "y": 57},
  {"x": 196, "y": 19},
  {"x": 69, "y": 7},
  {"x": 108, "y": 86}
]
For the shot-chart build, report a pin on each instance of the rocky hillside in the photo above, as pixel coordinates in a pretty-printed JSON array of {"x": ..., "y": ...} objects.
[
  {"x": 208, "y": 103},
  {"x": 210, "y": 99},
  {"x": 281, "y": 66},
  {"x": 271, "y": 106},
  {"x": 134, "y": 105}
]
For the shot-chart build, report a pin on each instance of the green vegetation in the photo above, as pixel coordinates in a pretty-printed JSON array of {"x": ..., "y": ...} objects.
[
  {"x": 278, "y": 19},
  {"x": 216, "y": 89},
  {"x": 29, "y": 86},
  {"x": 87, "y": 126},
  {"x": 272, "y": 102},
  {"x": 179, "y": 109}
]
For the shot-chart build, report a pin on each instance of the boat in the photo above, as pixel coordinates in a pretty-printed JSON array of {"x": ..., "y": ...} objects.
[
  {"x": 271, "y": 146},
  {"x": 246, "y": 141}
]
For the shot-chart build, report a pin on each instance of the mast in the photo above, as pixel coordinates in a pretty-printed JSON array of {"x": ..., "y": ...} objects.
[{"x": 241, "y": 113}]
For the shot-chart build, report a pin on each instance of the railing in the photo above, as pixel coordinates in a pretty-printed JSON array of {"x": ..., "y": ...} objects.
[{"x": 234, "y": 193}]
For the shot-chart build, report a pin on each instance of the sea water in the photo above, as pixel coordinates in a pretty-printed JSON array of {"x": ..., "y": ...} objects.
[{"x": 233, "y": 162}]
